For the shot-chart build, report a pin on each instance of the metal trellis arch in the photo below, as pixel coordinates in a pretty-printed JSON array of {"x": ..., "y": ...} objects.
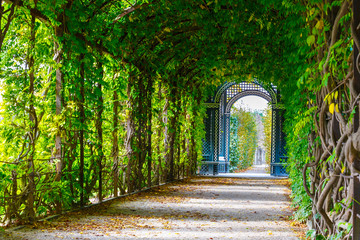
[{"x": 217, "y": 127}]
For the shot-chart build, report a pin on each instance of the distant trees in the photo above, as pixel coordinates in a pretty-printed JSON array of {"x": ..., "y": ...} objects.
[
  {"x": 267, "y": 119},
  {"x": 243, "y": 139}
]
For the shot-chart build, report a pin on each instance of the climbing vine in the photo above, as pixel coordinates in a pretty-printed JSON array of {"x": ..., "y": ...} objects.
[
  {"x": 102, "y": 98},
  {"x": 325, "y": 125}
]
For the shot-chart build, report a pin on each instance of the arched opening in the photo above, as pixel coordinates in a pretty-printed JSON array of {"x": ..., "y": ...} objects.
[
  {"x": 217, "y": 126},
  {"x": 250, "y": 135}
]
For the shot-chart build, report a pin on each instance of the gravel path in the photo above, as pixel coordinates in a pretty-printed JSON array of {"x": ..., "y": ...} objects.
[{"x": 198, "y": 208}]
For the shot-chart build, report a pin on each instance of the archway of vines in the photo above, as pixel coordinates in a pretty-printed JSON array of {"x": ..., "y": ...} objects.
[{"x": 104, "y": 97}]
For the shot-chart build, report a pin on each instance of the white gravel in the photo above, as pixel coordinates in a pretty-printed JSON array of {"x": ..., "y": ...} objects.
[{"x": 200, "y": 208}]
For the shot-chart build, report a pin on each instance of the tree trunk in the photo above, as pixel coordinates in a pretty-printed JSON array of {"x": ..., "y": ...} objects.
[
  {"x": 166, "y": 140},
  {"x": 141, "y": 128},
  {"x": 81, "y": 135},
  {"x": 58, "y": 102},
  {"x": 130, "y": 135},
  {"x": 33, "y": 127},
  {"x": 59, "y": 80},
  {"x": 149, "y": 131},
  {"x": 115, "y": 142},
  {"x": 159, "y": 134},
  {"x": 138, "y": 143},
  {"x": 170, "y": 144},
  {"x": 98, "y": 124}
]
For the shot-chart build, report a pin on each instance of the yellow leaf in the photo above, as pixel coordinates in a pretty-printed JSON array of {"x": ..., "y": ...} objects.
[
  {"x": 336, "y": 95},
  {"x": 167, "y": 29},
  {"x": 202, "y": 6},
  {"x": 331, "y": 108},
  {"x": 343, "y": 169},
  {"x": 328, "y": 98},
  {"x": 337, "y": 108},
  {"x": 319, "y": 25}
]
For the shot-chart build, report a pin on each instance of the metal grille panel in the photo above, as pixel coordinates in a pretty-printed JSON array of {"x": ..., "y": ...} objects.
[
  {"x": 206, "y": 141},
  {"x": 227, "y": 138},
  {"x": 273, "y": 137},
  {"x": 244, "y": 86},
  {"x": 216, "y": 137},
  {"x": 204, "y": 169}
]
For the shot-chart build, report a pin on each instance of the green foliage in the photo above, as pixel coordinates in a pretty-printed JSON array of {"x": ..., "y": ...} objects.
[
  {"x": 313, "y": 106},
  {"x": 132, "y": 87},
  {"x": 243, "y": 139},
  {"x": 94, "y": 79},
  {"x": 267, "y": 121},
  {"x": 234, "y": 150},
  {"x": 298, "y": 129}
]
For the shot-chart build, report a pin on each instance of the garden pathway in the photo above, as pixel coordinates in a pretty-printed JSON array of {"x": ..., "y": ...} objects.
[{"x": 197, "y": 208}]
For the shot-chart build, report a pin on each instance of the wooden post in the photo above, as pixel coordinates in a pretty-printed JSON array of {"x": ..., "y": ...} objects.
[
  {"x": 356, "y": 209},
  {"x": 355, "y": 84},
  {"x": 356, "y": 81}
]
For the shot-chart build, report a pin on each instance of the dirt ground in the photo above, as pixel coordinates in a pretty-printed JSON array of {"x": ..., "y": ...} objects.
[{"x": 197, "y": 208}]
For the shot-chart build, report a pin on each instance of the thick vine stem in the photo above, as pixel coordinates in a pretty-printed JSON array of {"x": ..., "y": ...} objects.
[
  {"x": 322, "y": 197},
  {"x": 354, "y": 36},
  {"x": 343, "y": 10},
  {"x": 322, "y": 127},
  {"x": 336, "y": 192},
  {"x": 341, "y": 120},
  {"x": 339, "y": 145},
  {"x": 309, "y": 165}
]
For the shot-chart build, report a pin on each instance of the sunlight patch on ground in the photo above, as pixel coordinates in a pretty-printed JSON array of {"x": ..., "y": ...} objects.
[{"x": 200, "y": 208}]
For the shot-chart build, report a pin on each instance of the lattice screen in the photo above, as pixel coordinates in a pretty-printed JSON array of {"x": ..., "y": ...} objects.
[
  {"x": 206, "y": 141},
  {"x": 243, "y": 86},
  {"x": 216, "y": 137},
  {"x": 204, "y": 169}
]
